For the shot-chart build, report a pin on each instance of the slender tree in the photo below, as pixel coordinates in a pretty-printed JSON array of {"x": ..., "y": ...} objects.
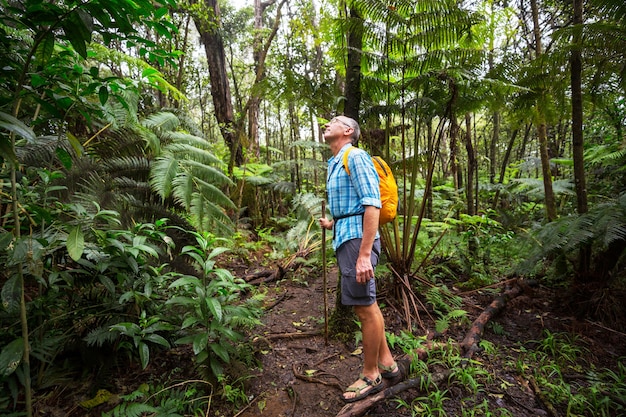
[
  {"x": 206, "y": 17},
  {"x": 549, "y": 199}
]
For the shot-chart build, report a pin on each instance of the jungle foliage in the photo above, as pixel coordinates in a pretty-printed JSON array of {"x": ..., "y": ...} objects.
[{"x": 121, "y": 203}]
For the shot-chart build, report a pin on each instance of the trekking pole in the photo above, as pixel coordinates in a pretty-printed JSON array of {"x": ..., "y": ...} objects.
[{"x": 324, "y": 274}]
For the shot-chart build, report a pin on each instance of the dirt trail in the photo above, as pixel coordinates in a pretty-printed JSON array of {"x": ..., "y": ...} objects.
[{"x": 302, "y": 376}]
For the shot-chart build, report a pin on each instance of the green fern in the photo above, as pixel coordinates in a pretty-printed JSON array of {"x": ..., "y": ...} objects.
[
  {"x": 599, "y": 228},
  {"x": 534, "y": 187},
  {"x": 442, "y": 299},
  {"x": 101, "y": 336},
  {"x": 131, "y": 410}
]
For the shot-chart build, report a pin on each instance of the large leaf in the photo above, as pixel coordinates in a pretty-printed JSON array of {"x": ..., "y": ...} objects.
[
  {"x": 11, "y": 292},
  {"x": 5, "y": 240},
  {"x": 78, "y": 29},
  {"x": 144, "y": 354},
  {"x": 215, "y": 307},
  {"x": 75, "y": 243},
  {"x": 220, "y": 351},
  {"x": 13, "y": 125},
  {"x": 11, "y": 356}
]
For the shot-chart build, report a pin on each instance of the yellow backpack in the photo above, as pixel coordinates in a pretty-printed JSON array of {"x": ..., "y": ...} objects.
[{"x": 388, "y": 187}]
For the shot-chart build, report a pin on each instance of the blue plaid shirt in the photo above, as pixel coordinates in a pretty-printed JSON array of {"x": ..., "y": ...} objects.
[{"x": 349, "y": 194}]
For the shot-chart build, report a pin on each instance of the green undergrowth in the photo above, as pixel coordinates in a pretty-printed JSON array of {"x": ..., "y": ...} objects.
[{"x": 555, "y": 371}]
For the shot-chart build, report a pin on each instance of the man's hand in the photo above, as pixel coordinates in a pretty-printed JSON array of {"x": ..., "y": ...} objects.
[
  {"x": 326, "y": 224},
  {"x": 364, "y": 269}
]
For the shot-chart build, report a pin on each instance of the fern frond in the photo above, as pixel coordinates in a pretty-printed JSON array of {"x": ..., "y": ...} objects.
[
  {"x": 535, "y": 188},
  {"x": 308, "y": 206},
  {"x": 100, "y": 336},
  {"x": 205, "y": 173},
  {"x": 285, "y": 187},
  {"x": 162, "y": 174},
  {"x": 126, "y": 166},
  {"x": 132, "y": 410},
  {"x": 598, "y": 229},
  {"x": 161, "y": 122}
]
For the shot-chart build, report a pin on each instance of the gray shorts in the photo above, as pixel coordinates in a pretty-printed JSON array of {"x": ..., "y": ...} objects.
[{"x": 353, "y": 293}]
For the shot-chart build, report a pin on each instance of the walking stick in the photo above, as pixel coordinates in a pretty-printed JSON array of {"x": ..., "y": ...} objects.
[{"x": 324, "y": 274}]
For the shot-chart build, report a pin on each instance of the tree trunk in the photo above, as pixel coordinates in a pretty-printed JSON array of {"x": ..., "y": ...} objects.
[
  {"x": 522, "y": 150},
  {"x": 577, "y": 111},
  {"x": 255, "y": 100},
  {"x": 353, "y": 71},
  {"x": 577, "y": 132},
  {"x": 471, "y": 165},
  {"x": 505, "y": 163},
  {"x": 430, "y": 155},
  {"x": 454, "y": 151},
  {"x": 549, "y": 199},
  {"x": 495, "y": 138},
  {"x": 209, "y": 30}
]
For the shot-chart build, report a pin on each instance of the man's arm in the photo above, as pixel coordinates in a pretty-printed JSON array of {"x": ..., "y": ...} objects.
[{"x": 364, "y": 268}]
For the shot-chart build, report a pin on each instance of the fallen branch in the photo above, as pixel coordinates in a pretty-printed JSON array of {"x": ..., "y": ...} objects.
[
  {"x": 469, "y": 345},
  {"x": 293, "y": 335},
  {"x": 259, "y": 274},
  {"x": 264, "y": 277}
]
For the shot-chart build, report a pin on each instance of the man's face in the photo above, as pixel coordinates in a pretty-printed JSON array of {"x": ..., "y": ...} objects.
[{"x": 335, "y": 128}]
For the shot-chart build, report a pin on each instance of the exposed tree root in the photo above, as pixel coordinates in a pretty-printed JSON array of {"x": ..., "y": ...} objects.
[
  {"x": 469, "y": 345},
  {"x": 309, "y": 378},
  {"x": 292, "y": 335},
  {"x": 266, "y": 276}
]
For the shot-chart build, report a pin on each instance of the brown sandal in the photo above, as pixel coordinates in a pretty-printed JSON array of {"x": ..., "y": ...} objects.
[{"x": 389, "y": 372}]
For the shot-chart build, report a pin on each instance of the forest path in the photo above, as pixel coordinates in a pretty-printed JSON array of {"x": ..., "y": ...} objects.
[{"x": 303, "y": 376}]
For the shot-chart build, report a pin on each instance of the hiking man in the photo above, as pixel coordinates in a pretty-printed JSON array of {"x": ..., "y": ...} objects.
[{"x": 354, "y": 202}]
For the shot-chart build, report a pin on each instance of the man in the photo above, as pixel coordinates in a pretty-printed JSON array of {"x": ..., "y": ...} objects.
[{"x": 354, "y": 202}]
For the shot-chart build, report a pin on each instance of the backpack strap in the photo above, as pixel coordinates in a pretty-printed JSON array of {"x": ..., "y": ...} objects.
[
  {"x": 345, "y": 159},
  {"x": 345, "y": 166}
]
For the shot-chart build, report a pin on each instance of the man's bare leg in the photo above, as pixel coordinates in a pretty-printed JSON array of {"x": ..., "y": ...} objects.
[{"x": 375, "y": 348}]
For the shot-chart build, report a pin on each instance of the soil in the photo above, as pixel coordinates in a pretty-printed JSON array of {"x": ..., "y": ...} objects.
[{"x": 302, "y": 374}]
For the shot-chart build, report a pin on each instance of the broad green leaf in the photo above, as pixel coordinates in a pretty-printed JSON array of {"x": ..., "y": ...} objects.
[
  {"x": 144, "y": 354},
  {"x": 218, "y": 251},
  {"x": 11, "y": 292},
  {"x": 108, "y": 284},
  {"x": 220, "y": 351},
  {"x": 75, "y": 142},
  {"x": 75, "y": 243},
  {"x": 158, "y": 339},
  {"x": 147, "y": 249},
  {"x": 103, "y": 94},
  {"x": 189, "y": 321},
  {"x": 13, "y": 125},
  {"x": 215, "y": 307},
  {"x": 5, "y": 240},
  {"x": 64, "y": 157},
  {"x": 78, "y": 28},
  {"x": 200, "y": 342},
  {"x": 187, "y": 280},
  {"x": 11, "y": 356},
  {"x": 45, "y": 48}
]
